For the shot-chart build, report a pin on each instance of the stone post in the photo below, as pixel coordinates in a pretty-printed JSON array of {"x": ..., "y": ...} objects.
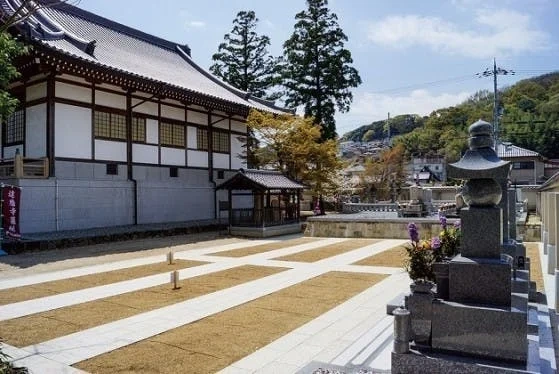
[
  {"x": 551, "y": 232},
  {"x": 401, "y": 330},
  {"x": 543, "y": 217}
]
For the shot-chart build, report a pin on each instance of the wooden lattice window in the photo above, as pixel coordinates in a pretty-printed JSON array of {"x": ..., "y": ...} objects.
[
  {"x": 109, "y": 125},
  {"x": 221, "y": 142},
  {"x": 139, "y": 129},
  {"x": 14, "y": 128},
  {"x": 202, "y": 139},
  {"x": 171, "y": 134}
]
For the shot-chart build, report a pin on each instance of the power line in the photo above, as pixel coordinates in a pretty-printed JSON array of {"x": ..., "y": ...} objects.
[
  {"x": 462, "y": 78},
  {"x": 494, "y": 72}
]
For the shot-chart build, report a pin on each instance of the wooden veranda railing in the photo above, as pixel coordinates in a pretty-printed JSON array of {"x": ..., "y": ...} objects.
[
  {"x": 24, "y": 167},
  {"x": 250, "y": 217}
]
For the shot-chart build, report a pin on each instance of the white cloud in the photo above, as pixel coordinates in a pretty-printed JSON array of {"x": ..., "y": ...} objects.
[
  {"x": 196, "y": 24},
  {"x": 496, "y": 33},
  {"x": 368, "y": 107}
]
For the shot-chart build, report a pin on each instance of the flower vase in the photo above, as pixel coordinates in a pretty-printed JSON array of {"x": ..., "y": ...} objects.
[
  {"x": 441, "y": 270},
  {"x": 419, "y": 303}
]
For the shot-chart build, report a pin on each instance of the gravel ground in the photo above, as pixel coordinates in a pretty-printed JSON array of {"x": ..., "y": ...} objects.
[{"x": 59, "y": 259}]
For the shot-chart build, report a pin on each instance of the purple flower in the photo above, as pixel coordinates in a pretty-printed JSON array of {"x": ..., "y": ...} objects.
[
  {"x": 442, "y": 220},
  {"x": 457, "y": 224},
  {"x": 435, "y": 242},
  {"x": 413, "y": 233}
]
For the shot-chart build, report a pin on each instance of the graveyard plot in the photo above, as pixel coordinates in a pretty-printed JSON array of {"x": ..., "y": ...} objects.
[
  {"x": 317, "y": 254},
  {"x": 213, "y": 343},
  {"x": 40, "y": 327},
  {"x": 393, "y": 257},
  {"x": 536, "y": 275},
  {"x": 242, "y": 252},
  {"x": 34, "y": 291}
]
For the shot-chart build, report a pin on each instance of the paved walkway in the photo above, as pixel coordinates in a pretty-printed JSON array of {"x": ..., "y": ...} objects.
[
  {"x": 353, "y": 336},
  {"x": 347, "y": 326}
]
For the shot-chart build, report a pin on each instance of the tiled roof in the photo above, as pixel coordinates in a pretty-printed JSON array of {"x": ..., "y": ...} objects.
[
  {"x": 71, "y": 31},
  {"x": 510, "y": 151},
  {"x": 265, "y": 179}
]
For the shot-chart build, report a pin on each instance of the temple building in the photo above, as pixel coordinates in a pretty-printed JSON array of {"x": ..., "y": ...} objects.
[{"x": 116, "y": 127}]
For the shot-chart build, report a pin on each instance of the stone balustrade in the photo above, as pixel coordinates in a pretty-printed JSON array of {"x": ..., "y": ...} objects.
[{"x": 369, "y": 207}]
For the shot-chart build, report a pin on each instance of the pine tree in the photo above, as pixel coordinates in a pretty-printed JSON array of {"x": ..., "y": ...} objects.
[
  {"x": 318, "y": 72},
  {"x": 243, "y": 61}
]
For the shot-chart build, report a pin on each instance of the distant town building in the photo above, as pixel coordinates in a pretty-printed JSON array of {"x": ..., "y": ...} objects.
[{"x": 527, "y": 165}]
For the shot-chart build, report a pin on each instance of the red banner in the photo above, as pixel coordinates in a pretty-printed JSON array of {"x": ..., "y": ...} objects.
[{"x": 10, "y": 211}]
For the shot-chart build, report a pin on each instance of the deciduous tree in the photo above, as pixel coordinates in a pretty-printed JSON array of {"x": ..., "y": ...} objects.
[{"x": 292, "y": 144}]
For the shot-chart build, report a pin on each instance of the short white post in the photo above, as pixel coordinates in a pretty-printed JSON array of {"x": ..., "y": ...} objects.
[
  {"x": 170, "y": 257},
  {"x": 175, "y": 279}
]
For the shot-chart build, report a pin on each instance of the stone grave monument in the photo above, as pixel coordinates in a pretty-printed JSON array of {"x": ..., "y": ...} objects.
[{"x": 482, "y": 325}]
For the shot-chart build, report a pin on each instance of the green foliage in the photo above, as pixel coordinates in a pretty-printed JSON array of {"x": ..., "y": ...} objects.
[
  {"x": 243, "y": 61},
  {"x": 317, "y": 72},
  {"x": 9, "y": 50},
  {"x": 378, "y": 130},
  {"x": 293, "y": 145}
]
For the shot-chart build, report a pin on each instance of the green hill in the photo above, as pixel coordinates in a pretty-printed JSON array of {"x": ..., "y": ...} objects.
[{"x": 530, "y": 119}]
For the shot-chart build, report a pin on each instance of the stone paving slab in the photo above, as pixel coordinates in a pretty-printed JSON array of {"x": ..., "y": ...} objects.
[{"x": 70, "y": 349}]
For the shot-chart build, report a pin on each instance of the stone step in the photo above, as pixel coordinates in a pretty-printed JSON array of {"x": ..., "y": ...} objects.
[
  {"x": 533, "y": 321},
  {"x": 545, "y": 339}
]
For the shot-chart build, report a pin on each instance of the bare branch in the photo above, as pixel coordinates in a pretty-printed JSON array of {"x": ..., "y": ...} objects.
[{"x": 27, "y": 8}]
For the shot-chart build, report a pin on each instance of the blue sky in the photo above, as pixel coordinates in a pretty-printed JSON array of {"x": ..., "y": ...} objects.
[{"x": 413, "y": 56}]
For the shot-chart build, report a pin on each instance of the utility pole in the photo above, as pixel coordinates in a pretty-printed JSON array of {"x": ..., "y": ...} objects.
[{"x": 494, "y": 72}]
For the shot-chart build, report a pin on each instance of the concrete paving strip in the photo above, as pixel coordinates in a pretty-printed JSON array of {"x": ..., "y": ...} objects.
[
  {"x": 37, "y": 364},
  {"x": 340, "y": 337},
  {"x": 43, "y": 304},
  {"x": 86, "y": 270},
  {"x": 92, "y": 342}
]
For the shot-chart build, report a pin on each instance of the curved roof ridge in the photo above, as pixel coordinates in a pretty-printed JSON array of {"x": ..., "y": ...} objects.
[{"x": 124, "y": 29}]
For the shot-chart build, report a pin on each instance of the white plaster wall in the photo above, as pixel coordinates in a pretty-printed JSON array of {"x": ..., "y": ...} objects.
[
  {"x": 221, "y": 160},
  {"x": 36, "y": 131},
  {"x": 152, "y": 133},
  {"x": 236, "y": 151},
  {"x": 110, "y": 99},
  {"x": 197, "y": 117},
  {"x": 70, "y": 91},
  {"x": 197, "y": 158},
  {"x": 172, "y": 112},
  {"x": 10, "y": 152},
  {"x": 191, "y": 137},
  {"x": 220, "y": 122},
  {"x": 145, "y": 153},
  {"x": 172, "y": 156},
  {"x": 37, "y": 91},
  {"x": 238, "y": 126},
  {"x": 148, "y": 107},
  {"x": 72, "y": 136},
  {"x": 111, "y": 151}
]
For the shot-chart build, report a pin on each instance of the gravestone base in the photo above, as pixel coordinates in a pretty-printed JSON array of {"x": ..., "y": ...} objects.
[
  {"x": 484, "y": 331},
  {"x": 480, "y": 280},
  {"x": 425, "y": 361}
]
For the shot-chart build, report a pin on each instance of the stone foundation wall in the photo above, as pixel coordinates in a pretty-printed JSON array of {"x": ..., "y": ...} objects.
[{"x": 329, "y": 226}]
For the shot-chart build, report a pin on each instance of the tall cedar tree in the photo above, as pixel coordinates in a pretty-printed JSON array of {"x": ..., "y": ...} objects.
[
  {"x": 243, "y": 62},
  {"x": 317, "y": 73},
  {"x": 242, "y": 59}
]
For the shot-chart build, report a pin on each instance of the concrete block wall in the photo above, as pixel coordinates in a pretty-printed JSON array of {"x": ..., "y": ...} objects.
[
  {"x": 549, "y": 212},
  {"x": 83, "y": 196}
]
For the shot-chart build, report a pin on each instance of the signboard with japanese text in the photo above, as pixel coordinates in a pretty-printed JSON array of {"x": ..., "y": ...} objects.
[{"x": 10, "y": 211}]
